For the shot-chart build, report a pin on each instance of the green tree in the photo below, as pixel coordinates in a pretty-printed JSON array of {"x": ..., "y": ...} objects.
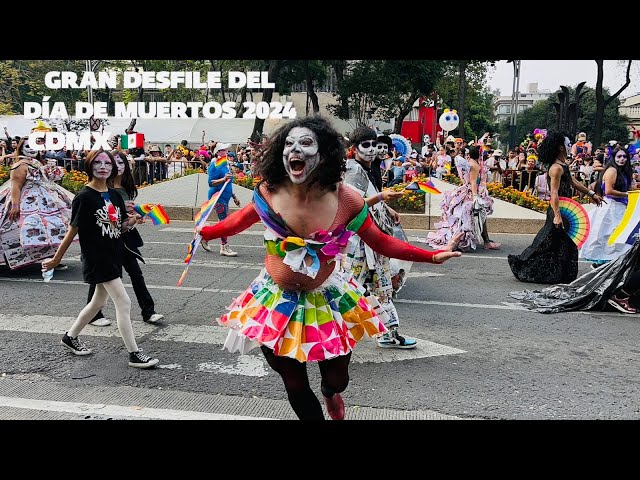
[
  {"x": 602, "y": 103},
  {"x": 462, "y": 82},
  {"x": 384, "y": 89},
  {"x": 543, "y": 115}
]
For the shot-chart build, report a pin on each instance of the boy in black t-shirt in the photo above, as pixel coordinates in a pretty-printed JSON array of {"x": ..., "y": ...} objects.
[{"x": 98, "y": 216}]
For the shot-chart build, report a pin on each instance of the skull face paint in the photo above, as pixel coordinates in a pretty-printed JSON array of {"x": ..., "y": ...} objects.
[
  {"x": 119, "y": 164},
  {"x": 27, "y": 150},
  {"x": 367, "y": 151},
  {"x": 620, "y": 158},
  {"x": 101, "y": 166},
  {"x": 382, "y": 150},
  {"x": 300, "y": 154}
]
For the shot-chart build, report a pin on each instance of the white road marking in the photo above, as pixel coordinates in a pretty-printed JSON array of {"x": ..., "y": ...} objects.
[
  {"x": 366, "y": 351},
  {"x": 246, "y": 365},
  {"x": 118, "y": 411}
]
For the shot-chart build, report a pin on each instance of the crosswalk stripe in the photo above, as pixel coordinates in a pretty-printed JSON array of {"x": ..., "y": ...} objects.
[
  {"x": 365, "y": 352},
  {"x": 117, "y": 411}
]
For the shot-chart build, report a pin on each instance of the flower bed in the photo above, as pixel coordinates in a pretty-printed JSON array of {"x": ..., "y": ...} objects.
[
  {"x": 4, "y": 174},
  {"x": 74, "y": 180}
]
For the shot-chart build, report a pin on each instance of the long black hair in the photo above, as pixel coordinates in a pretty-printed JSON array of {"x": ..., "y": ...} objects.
[
  {"x": 624, "y": 171},
  {"x": 330, "y": 148},
  {"x": 127, "y": 181}
]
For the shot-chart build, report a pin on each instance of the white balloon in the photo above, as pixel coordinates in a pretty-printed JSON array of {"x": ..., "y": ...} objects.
[{"x": 449, "y": 120}]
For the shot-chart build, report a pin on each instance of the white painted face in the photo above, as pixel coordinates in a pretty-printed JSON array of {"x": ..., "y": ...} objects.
[
  {"x": 119, "y": 164},
  {"x": 367, "y": 151},
  {"x": 102, "y": 166},
  {"x": 382, "y": 150},
  {"x": 27, "y": 150},
  {"x": 567, "y": 145},
  {"x": 300, "y": 155},
  {"x": 620, "y": 158}
]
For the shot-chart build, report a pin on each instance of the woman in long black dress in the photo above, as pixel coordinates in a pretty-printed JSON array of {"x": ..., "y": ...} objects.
[{"x": 553, "y": 256}]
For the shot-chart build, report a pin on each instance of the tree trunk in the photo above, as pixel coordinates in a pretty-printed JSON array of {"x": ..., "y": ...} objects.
[
  {"x": 339, "y": 66},
  {"x": 311, "y": 94},
  {"x": 267, "y": 95},
  {"x": 462, "y": 93},
  {"x": 601, "y": 102}
]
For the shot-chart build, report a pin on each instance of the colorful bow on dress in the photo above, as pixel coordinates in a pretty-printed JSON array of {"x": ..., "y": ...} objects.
[{"x": 322, "y": 246}]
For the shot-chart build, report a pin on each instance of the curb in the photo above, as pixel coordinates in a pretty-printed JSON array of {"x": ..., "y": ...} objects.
[{"x": 415, "y": 221}]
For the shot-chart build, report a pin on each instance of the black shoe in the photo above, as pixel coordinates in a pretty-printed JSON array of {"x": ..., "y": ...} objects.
[
  {"x": 75, "y": 345},
  {"x": 61, "y": 267},
  {"x": 141, "y": 360}
]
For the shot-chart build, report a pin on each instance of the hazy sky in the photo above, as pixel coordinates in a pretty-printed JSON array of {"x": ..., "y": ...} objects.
[{"x": 550, "y": 74}]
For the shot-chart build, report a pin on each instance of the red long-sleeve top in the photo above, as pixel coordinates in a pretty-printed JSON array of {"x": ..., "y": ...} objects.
[{"x": 350, "y": 204}]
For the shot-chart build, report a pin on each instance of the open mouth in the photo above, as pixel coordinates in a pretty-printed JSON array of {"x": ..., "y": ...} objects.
[{"x": 296, "y": 166}]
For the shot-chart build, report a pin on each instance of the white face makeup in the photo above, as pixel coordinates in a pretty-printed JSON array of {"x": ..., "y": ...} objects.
[
  {"x": 28, "y": 151},
  {"x": 620, "y": 158},
  {"x": 567, "y": 145},
  {"x": 367, "y": 151},
  {"x": 300, "y": 155},
  {"x": 383, "y": 150},
  {"x": 102, "y": 166},
  {"x": 119, "y": 164}
]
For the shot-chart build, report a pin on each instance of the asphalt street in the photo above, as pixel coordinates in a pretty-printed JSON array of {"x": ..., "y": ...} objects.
[{"x": 480, "y": 355}]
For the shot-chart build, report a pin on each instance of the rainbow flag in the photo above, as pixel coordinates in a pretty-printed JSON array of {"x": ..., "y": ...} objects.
[
  {"x": 629, "y": 226},
  {"x": 133, "y": 140},
  {"x": 221, "y": 161},
  {"x": 424, "y": 187},
  {"x": 156, "y": 213}
]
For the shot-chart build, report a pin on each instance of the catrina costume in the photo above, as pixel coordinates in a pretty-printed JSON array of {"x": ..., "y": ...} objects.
[
  {"x": 303, "y": 305},
  {"x": 45, "y": 210}
]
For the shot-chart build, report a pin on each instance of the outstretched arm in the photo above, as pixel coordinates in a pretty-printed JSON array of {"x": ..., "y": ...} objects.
[
  {"x": 392, "y": 247},
  {"x": 233, "y": 224}
]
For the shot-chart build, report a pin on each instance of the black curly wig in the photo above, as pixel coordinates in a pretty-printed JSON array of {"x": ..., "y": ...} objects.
[
  {"x": 330, "y": 148},
  {"x": 549, "y": 148}
]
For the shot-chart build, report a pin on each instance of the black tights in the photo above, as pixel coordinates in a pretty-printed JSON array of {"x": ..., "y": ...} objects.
[{"x": 335, "y": 378}]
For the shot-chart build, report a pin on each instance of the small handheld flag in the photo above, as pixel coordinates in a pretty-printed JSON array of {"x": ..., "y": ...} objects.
[
  {"x": 156, "y": 213},
  {"x": 424, "y": 187}
]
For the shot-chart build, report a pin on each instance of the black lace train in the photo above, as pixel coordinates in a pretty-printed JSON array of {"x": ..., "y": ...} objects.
[{"x": 589, "y": 292}]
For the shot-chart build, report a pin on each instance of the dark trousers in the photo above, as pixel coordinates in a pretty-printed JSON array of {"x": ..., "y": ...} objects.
[{"x": 132, "y": 267}]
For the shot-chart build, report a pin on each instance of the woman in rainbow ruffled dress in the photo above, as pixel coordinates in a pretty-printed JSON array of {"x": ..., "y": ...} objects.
[
  {"x": 34, "y": 210},
  {"x": 304, "y": 307},
  {"x": 461, "y": 205}
]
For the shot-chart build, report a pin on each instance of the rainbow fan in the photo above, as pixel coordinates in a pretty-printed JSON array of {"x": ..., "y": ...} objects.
[{"x": 577, "y": 219}]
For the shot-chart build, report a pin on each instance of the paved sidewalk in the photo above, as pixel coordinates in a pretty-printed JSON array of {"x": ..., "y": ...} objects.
[{"x": 183, "y": 197}]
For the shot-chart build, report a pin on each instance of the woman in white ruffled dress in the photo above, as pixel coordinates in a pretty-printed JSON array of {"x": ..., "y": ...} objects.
[
  {"x": 458, "y": 207},
  {"x": 615, "y": 184},
  {"x": 34, "y": 210}
]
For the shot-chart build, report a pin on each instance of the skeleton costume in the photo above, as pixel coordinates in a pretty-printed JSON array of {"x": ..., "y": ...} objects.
[{"x": 370, "y": 268}]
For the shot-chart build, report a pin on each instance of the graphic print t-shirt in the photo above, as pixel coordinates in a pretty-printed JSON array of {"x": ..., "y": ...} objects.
[{"x": 98, "y": 217}]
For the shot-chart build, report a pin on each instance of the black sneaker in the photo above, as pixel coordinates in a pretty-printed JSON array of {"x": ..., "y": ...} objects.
[
  {"x": 61, "y": 268},
  {"x": 75, "y": 345},
  {"x": 141, "y": 360}
]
